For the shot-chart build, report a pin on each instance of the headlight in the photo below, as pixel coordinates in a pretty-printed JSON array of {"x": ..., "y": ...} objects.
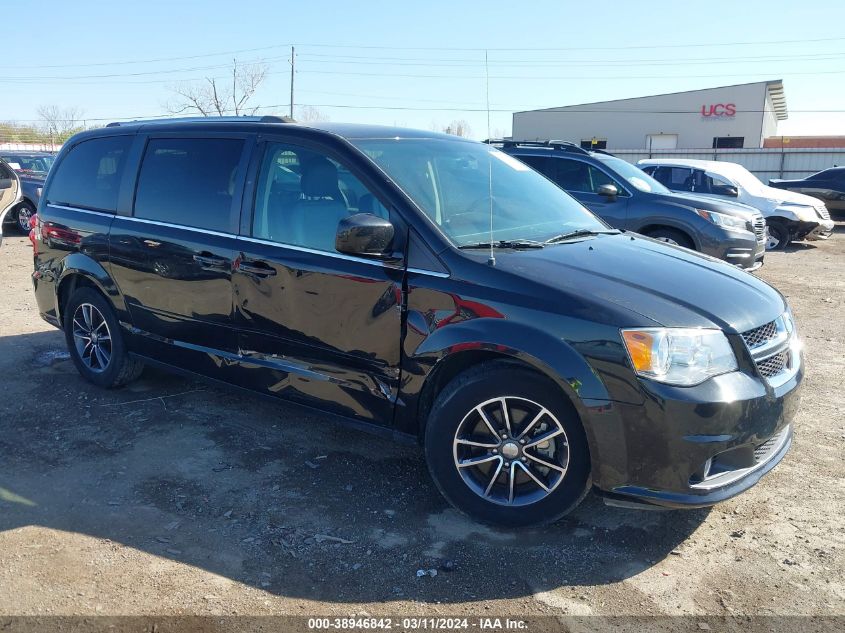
[
  {"x": 728, "y": 222},
  {"x": 679, "y": 356}
]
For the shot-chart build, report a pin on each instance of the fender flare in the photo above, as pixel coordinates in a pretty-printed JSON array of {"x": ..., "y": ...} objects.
[
  {"x": 80, "y": 264},
  {"x": 539, "y": 350}
]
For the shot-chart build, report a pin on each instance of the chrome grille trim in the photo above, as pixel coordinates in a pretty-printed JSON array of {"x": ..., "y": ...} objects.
[
  {"x": 759, "y": 225},
  {"x": 760, "y": 335},
  {"x": 771, "y": 347}
]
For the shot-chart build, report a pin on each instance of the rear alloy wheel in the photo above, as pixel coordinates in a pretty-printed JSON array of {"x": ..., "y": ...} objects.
[
  {"x": 95, "y": 341},
  {"x": 505, "y": 446},
  {"x": 22, "y": 216},
  {"x": 778, "y": 237}
]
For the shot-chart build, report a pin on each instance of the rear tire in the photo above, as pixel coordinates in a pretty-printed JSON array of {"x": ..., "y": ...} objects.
[
  {"x": 672, "y": 236},
  {"x": 502, "y": 479},
  {"x": 22, "y": 215},
  {"x": 95, "y": 341}
]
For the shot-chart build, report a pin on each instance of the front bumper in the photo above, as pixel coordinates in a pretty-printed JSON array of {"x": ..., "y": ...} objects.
[
  {"x": 745, "y": 252},
  {"x": 822, "y": 232},
  {"x": 690, "y": 447}
]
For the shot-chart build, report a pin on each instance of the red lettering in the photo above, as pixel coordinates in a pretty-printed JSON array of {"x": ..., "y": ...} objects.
[{"x": 719, "y": 109}]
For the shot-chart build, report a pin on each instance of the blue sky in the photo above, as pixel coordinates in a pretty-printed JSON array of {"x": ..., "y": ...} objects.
[{"x": 421, "y": 64}]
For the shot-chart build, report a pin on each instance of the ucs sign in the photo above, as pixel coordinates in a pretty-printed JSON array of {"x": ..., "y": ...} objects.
[{"x": 719, "y": 109}]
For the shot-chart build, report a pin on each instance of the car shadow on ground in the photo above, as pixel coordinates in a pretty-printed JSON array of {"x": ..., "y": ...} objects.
[{"x": 279, "y": 498}]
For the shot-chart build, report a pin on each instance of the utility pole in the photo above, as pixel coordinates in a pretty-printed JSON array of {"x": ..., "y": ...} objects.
[{"x": 292, "y": 70}]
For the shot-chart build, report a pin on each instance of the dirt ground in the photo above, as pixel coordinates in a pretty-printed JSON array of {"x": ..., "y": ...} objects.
[{"x": 170, "y": 497}]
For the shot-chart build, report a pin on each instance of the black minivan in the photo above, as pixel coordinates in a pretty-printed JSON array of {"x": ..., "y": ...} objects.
[{"x": 428, "y": 287}]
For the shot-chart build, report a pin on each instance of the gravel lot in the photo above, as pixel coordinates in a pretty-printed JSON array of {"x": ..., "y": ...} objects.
[{"x": 170, "y": 497}]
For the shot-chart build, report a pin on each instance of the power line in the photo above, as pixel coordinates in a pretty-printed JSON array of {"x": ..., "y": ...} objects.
[{"x": 432, "y": 48}]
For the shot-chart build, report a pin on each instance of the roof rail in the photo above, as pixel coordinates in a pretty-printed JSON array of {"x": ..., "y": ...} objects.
[
  {"x": 565, "y": 146},
  {"x": 267, "y": 118}
]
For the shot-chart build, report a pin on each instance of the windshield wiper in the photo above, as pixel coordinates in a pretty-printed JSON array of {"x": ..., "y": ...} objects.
[
  {"x": 516, "y": 244},
  {"x": 579, "y": 233}
]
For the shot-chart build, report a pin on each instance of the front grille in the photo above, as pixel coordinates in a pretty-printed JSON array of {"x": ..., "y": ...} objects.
[
  {"x": 824, "y": 214},
  {"x": 760, "y": 335},
  {"x": 773, "y": 365},
  {"x": 759, "y": 224},
  {"x": 764, "y": 450}
]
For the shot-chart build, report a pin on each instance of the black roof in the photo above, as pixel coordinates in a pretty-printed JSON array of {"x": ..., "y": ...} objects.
[{"x": 345, "y": 130}]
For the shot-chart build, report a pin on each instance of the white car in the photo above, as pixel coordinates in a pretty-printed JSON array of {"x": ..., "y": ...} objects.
[{"x": 789, "y": 215}]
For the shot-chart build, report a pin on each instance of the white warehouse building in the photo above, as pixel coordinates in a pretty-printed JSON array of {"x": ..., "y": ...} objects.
[{"x": 739, "y": 116}]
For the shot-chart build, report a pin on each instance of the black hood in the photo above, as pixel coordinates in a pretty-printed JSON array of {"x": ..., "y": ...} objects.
[{"x": 669, "y": 285}]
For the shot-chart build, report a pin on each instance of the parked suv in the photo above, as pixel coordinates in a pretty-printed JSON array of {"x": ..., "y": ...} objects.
[
  {"x": 32, "y": 168},
  {"x": 789, "y": 215},
  {"x": 367, "y": 272},
  {"x": 626, "y": 198}
]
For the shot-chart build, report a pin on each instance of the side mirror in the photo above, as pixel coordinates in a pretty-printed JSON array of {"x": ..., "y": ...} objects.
[
  {"x": 608, "y": 191},
  {"x": 364, "y": 235},
  {"x": 725, "y": 190}
]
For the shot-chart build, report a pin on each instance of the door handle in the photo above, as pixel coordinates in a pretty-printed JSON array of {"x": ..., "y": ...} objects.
[
  {"x": 256, "y": 269},
  {"x": 211, "y": 261}
]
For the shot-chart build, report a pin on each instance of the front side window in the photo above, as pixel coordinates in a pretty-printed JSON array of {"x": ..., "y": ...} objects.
[
  {"x": 451, "y": 181},
  {"x": 302, "y": 195},
  {"x": 89, "y": 174},
  {"x": 189, "y": 182}
]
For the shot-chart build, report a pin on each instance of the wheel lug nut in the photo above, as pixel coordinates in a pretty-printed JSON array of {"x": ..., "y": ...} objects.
[
  {"x": 495, "y": 451},
  {"x": 507, "y": 464},
  {"x": 522, "y": 441},
  {"x": 504, "y": 436},
  {"x": 525, "y": 459}
]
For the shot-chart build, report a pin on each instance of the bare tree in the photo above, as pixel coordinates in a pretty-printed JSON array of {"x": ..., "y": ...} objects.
[
  {"x": 458, "y": 128},
  {"x": 310, "y": 114},
  {"x": 60, "y": 123},
  {"x": 216, "y": 96}
]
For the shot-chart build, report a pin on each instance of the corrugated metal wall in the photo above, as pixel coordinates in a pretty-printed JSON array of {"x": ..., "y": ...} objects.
[{"x": 764, "y": 163}]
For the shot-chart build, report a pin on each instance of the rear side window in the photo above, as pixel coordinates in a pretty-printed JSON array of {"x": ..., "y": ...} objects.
[
  {"x": 189, "y": 182},
  {"x": 89, "y": 174}
]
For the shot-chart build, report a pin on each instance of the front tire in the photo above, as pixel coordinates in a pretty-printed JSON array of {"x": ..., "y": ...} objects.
[
  {"x": 672, "y": 236},
  {"x": 95, "y": 341},
  {"x": 505, "y": 446},
  {"x": 778, "y": 238}
]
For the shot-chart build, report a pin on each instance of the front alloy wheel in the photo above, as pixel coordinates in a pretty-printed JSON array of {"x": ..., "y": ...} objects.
[
  {"x": 505, "y": 445},
  {"x": 511, "y": 451}
]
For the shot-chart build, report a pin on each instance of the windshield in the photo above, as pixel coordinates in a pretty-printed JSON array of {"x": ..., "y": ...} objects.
[
  {"x": 451, "y": 182},
  {"x": 635, "y": 176},
  {"x": 745, "y": 179},
  {"x": 29, "y": 163}
]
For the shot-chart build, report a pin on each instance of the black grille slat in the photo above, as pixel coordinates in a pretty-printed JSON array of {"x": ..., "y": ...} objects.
[
  {"x": 760, "y": 335},
  {"x": 764, "y": 450}
]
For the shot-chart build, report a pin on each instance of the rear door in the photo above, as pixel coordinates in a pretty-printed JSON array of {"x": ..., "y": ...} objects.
[
  {"x": 315, "y": 326},
  {"x": 172, "y": 258},
  {"x": 9, "y": 191}
]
